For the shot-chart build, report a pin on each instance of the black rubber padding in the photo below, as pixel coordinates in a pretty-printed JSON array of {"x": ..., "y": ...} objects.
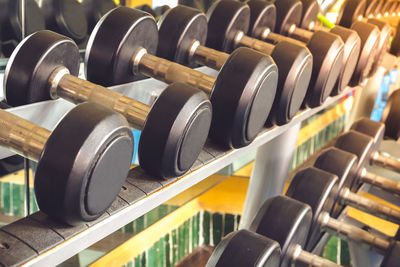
[
  {"x": 66, "y": 17},
  {"x": 95, "y": 9},
  {"x": 316, "y": 188},
  {"x": 179, "y": 27},
  {"x": 242, "y": 97},
  {"x": 286, "y": 221},
  {"x": 383, "y": 46},
  {"x": 351, "y": 53},
  {"x": 369, "y": 35},
  {"x": 370, "y": 8},
  {"x": 344, "y": 165},
  {"x": 175, "y": 132},
  {"x": 15, "y": 252},
  {"x": 295, "y": 64},
  {"x": 245, "y": 248},
  {"x": 327, "y": 50},
  {"x": 374, "y": 129},
  {"x": 391, "y": 116},
  {"x": 392, "y": 257},
  {"x": 262, "y": 16},
  {"x": 357, "y": 143},
  {"x": 84, "y": 164},
  {"x": 28, "y": 71},
  {"x": 288, "y": 13},
  {"x": 113, "y": 42},
  {"x": 310, "y": 12},
  {"x": 351, "y": 10},
  {"x": 225, "y": 19}
]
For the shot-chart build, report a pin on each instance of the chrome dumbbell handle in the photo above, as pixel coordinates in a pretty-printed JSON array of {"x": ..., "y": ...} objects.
[
  {"x": 207, "y": 56},
  {"x": 384, "y": 183},
  {"x": 301, "y": 256},
  {"x": 379, "y": 159}
]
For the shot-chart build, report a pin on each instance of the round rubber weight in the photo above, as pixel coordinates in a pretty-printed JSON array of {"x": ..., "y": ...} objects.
[
  {"x": 179, "y": 27},
  {"x": 385, "y": 34},
  {"x": 374, "y": 129},
  {"x": 95, "y": 9},
  {"x": 284, "y": 220},
  {"x": 225, "y": 19},
  {"x": 344, "y": 165},
  {"x": 327, "y": 50},
  {"x": 352, "y": 48},
  {"x": 175, "y": 131},
  {"x": 34, "y": 20},
  {"x": 113, "y": 42},
  {"x": 357, "y": 143},
  {"x": 392, "y": 257},
  {"x": 369, "y": 35},
  {"x": 295, "y": 67},
  {"x": 391, "y": 116},
  {"x": 262, "y": 16},
  {"x": 84, "y": 164},
  {"x": 245, "y": 248},
  {"x": 316, "y": 188},
  {"x": 31, "y": 64},
  {"x": 310, "y": 13},
  {"x": 242, "y": 97},
  {"x": 67, "y": 17},
  {"x": 370, "y": 8},
  {"x": 351, "y": 10},
  {"x": 288, "y": 12}
]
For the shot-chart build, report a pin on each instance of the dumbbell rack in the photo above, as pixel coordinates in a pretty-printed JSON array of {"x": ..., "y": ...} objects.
[{"x": 50, "y": 243}]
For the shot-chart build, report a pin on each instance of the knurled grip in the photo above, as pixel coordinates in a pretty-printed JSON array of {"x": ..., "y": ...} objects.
[
  {"x": 384, "y": 183},
  {"x": 208, "y": 57}
]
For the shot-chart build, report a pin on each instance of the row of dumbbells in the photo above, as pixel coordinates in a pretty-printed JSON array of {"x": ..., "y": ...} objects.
[
  {"x": 287, "y": 228},
  {"x": 252, "y": 89}
]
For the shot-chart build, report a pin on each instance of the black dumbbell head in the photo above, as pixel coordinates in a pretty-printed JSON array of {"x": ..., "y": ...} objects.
[
  {"x": 84, "y": 164},
  {"x": 286, "y": 221},
  {"x": 369, "y": 35},
  {"x": 262, "y": 15},
  {"x": 318, "y": 189},
  {"x": 95, "y": 9},
  {"x": 350, "y": 11},
  {"x": 113, "y": 43},
  {"x": 342, "y": 164},
  {"x": 357, "y": 143},
  {"x": 288, "y": 13},
  {"x": 175, "y": 131},
  {"x": 391, "y": 116},
  {"x": 242, "y": 97},
  {"x": 179, "y": 27},
  {"x": 66, "y": 17},
  {"x": 309, "y": 14},
  {"x": 374, "y": 129},
  {"x": 327, "y": 50},
  {"x": 225, "y": 19},
  {"x": 26, "y": 78},
  {"x": 385, "y": 35},
  {"x": 245, "y": 248},
  {"x": 392, "y": 257},
  {"x": 352, "y": 48}
]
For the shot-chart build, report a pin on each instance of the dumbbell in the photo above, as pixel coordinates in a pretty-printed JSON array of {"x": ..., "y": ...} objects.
[
  {"x": 95, "y": 9},
  {"x": 362, "y": 146},
  {"x": 391, "y": 115},
  {"x": 322, "y": 191},
  {"x": 323, "y": 76},
  {"x": 123, "y": 46},
  {"x": 344, "y": 165},
  {"x": 260, "y": 28},
  {"x": 82, "y": 164},
  {"x": 182, "y": 38},
  {"x": 66, "y": 17},
  {"x": 248, "y": 248},
  {"x": 369, "y": 38},
  {"x": 287, "y": 221},
  {"x": 351, "y": 11},
  {"x": 45, "y": 65},
  {"x": 11, "y": 28}
]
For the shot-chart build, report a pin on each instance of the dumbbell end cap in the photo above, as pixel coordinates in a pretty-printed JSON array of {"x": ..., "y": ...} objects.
[
  {"x": 175, "y": 131},
  {"x": 84, "y": 164},
  {"x": 26, "y": 78}
]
